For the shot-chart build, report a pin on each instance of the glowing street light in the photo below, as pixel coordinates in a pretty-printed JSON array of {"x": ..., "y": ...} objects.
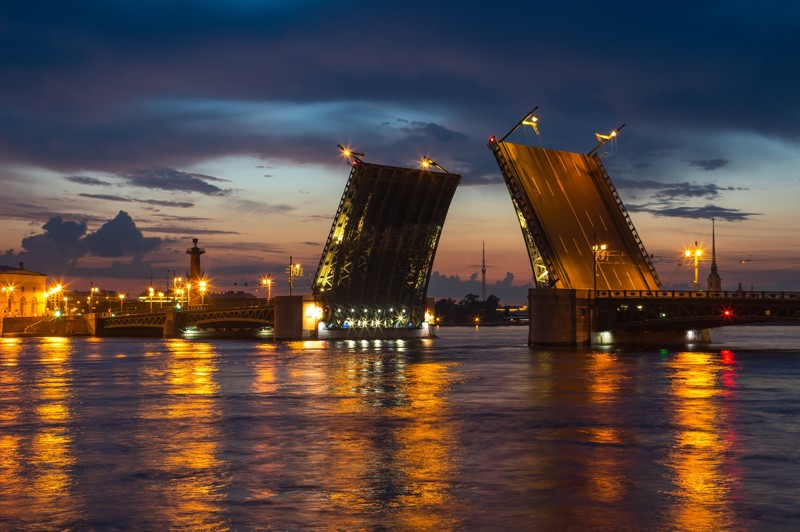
[
  {"x": 349, "y": 154},
  {"x": 599, "y": 253},
  {"x": 161, "y": 300},
  {"x": 8, "y": 290},
  {"x": 694, "y": 254},
  {"x": 151, "y": 291},
  {"x": 202, "y": 286},
  {"x": 121, "y": 301},
  {"x": 267, "y": 281},
  {"x": 426, "y": 163},
  {"x": 294, "y": 270}
]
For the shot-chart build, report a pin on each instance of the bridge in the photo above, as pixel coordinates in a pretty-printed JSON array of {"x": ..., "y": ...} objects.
[
  {"x": 594, "y": 281},
  {"x": 373, "y": 274},
  {"x": 245, "y": 316}
]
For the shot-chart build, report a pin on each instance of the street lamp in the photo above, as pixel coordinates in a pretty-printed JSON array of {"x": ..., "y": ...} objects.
[
  {"x": 426, "y": 163},
  {"x": 161, "y": 300},
  {"x": 599, "y": 252},
  {"x": 92, "y": 291},
  {"x": 694, "y": 254},
  {"x": 294, "y": 271},
  {"x": 121, "y": 301},
  {"x": 151, "y": 291},
  {"x": 202, "y": 285},
  {"x": 267, "y": 281}
]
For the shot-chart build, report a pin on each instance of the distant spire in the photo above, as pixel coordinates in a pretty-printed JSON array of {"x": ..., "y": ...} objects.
[
  {"x": 714, "y": 280},
  {"x": 483, "y": 273}
]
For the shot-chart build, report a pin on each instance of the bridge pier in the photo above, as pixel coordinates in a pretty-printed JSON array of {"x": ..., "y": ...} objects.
[
  {"x": 559, "y": 316},
  {"x": 296, "y": 318},
  {"x": 564, "y": 317}
]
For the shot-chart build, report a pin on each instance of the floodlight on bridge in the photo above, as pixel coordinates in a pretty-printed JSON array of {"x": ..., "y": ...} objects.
[
  {"x": 426, "y": 163},
  {"x": 348, "y": 154},
  {"x": 602, "y": 139}
]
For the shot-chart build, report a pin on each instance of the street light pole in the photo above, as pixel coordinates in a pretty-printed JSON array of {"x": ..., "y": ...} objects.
[
  {"x": 597, "y": 250},
  {"x": 695, "y": 253}
]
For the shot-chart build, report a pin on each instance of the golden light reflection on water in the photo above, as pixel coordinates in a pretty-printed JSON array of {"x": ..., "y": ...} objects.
[
  {"x": 392, "y": 448},
  {"x": 697, "y": 458},
  {"x": 606, "y": 468},
  {"x": 36, "y": 466},
  {"x": 188, "y": 452}
]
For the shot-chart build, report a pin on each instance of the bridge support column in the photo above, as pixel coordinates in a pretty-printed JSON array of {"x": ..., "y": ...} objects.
[
  {"x": 296, "y": 318},
  {"x": 171, "y": 328},
  {"x": 559, "y": 316}
]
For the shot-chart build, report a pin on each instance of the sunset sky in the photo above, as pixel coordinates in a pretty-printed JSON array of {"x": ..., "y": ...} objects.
[{"x": 130, "y": 127}]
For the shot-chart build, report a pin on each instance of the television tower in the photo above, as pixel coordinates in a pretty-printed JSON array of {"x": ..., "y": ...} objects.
[{"x": 483, "y": 273}]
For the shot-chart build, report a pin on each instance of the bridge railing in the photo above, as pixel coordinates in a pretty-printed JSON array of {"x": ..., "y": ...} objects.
[{"x": 691, "y": 294}]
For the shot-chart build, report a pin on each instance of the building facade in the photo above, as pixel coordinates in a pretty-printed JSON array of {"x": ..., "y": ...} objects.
[{"x": 22, "y": 292}]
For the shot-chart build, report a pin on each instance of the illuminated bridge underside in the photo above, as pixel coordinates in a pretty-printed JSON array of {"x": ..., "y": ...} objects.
[
  {"x": 681, "y": 311},
  {"x": 376, "y": 265},
  {"x": 566, "y": 203}
]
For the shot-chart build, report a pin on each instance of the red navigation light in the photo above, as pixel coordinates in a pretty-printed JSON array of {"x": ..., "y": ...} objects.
[
  {"x": 727, "y": 313},
  {"x": 727, "y": 356}
]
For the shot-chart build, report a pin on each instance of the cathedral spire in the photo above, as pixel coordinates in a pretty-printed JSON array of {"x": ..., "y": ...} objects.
[{"x": 714, "y": 280}]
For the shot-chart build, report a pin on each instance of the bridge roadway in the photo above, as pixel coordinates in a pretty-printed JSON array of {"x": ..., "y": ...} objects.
[
  {"x": 646, "y": 310},
  {"x": 250, "y": 314}
]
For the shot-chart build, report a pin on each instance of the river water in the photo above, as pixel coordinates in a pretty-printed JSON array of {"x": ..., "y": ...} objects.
[{"x": 473, "y": 430}]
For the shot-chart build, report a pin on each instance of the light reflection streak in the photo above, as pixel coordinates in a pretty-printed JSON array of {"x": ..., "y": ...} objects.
[
  {"x": 697, "y": 458},
  {"x": 606, "y": 472},
  {"x": 37, "y": 455},
  {"x": 392, "y": 449},
  {"x": 186, "y": 450}
]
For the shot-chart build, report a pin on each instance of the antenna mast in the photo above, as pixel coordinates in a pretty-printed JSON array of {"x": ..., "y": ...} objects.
[{"x": 483, "y": 273}]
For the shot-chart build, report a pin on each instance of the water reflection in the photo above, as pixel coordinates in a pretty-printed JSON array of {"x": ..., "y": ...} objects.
[
  {"x": 392, "y": 443},
  {"x": 183, "y": 476},
  {"x": 37, "y": 465},
  {"x": 698, "y": 456}
]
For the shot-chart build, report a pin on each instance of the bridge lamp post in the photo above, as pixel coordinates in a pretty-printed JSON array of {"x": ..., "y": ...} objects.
[
  {"x": 161, "y": 300},
  {"x": 295, "y": 270},
  {"x": 202, "y": 285},
  {"x": 151, "y": 291},
  {"x": 267, "y": 281},
  {"x": 121, "y": 302},
  {"x": 599, "y": 252},
  {"x": 426, "y": 163},
  {"x": 694, "y": 254}
]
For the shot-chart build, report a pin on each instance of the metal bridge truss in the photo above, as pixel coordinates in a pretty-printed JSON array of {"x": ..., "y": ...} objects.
[
  {"x": 664, "y": 310},
  {"x": 134, "y": 320},
  {"x": 376, "y": 265},
  {"x": 627, "y": 217},
  {"x": 241, "y": 317},
  {"x": 208, "y": 317},
  {"x": 539, "y": 252}
]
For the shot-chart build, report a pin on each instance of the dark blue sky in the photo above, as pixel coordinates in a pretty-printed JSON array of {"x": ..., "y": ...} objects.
[{"x": 192, "y": 116}]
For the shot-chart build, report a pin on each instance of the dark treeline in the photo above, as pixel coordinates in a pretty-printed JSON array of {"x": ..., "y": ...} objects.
[{"x": 469, "y": 309}]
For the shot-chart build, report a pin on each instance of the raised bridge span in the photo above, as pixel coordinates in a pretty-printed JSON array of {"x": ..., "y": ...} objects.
[{"x": 592, "y": 273}]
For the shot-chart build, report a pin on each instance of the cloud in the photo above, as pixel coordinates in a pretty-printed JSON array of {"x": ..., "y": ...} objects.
[
  {"x": 85, "y": 180},
  {"x": 172, "y": 180},
  {"x": 674, "y": 191},
  {"x": 253, "y": 207},
  {"x": 55, "y": 250},
  {"x": 183, "y": 230},
  {"x": 164, "y": 203},
  {"x": 708, "y": 165},
  {"x": 105, "y": 197},
  {"x": 452, "y": 286},
  {"x": 120, "y": 237},
  {"x": 433, "y": 131},
  {"x": 702, "y": 213}
]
